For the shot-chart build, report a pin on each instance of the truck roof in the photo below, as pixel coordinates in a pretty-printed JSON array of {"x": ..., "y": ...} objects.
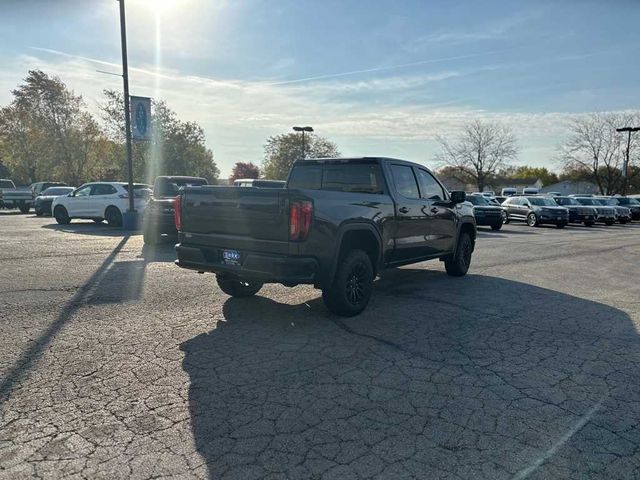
[{"x": 358, "y": 159}]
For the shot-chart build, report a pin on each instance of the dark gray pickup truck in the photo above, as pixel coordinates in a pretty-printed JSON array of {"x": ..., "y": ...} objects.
[{"x": 337, "y": 223}]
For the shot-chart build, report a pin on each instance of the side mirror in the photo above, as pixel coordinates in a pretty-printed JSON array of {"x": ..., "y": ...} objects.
[{"x": 458, "y": 196}]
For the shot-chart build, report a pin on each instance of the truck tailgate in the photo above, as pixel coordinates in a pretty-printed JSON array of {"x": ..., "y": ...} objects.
[{"x": 243, "y": 218}]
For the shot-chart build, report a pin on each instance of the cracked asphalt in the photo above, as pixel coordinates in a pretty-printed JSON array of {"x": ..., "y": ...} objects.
[{"x": 114, "y": 363}]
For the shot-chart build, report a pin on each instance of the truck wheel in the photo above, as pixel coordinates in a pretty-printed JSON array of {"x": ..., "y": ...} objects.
[
  {"x": 496, "y": 227},
  {"x": 457, "y": 265},
  {"x": 113, "y": 217},
  {"x": 588, "y": 224},
  {"x": 24, "y": 208},
  {"x": 238, "y": 288},
  {"x": 608, "y": 223},
  {"x": 561, "y": 225},
  {"x": 352, "y": 285}
]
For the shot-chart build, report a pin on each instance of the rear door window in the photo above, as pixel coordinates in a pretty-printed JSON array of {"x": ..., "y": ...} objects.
[
  {"x": 103, "y": 189},
  {"x": 405, "y": 181}
]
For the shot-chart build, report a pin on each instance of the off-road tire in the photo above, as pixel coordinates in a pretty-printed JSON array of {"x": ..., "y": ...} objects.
[
  {"x": 457, "y": 264},
  {"x": 352, "y": 285}
]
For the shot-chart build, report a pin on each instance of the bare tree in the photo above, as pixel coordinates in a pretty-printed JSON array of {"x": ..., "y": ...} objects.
[
  {"x": 480, "y": 151},
  {"x": 596, "y": 147}
]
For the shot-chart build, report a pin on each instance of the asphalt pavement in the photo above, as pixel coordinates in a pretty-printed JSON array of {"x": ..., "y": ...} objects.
[{"x": 115, "y": 363}]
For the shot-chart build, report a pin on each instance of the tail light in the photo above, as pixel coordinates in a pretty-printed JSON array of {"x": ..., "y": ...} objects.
[
  {"x": 300, "y": 215},
  {"x": 177, "y": 213}
]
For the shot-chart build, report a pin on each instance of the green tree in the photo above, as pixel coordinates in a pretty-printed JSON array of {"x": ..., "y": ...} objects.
[
  {"x": 47, "y": 132},
  {"x": 244, "y": 170},
  {"x": 177, "y": 147},
  {"x": 546, "y": 176},
  {"x": 282, "y": 150},
  {"x": 480, "y": 151}
]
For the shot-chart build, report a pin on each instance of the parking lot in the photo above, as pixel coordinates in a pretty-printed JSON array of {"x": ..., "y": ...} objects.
[{"x": 114, "y": 362}]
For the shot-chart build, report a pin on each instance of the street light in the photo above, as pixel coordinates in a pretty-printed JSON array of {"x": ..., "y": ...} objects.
[
  {"x": 625, "y": 164},
  {"x": 303, "y": 129},
  {"x": 129, "y": 219}
]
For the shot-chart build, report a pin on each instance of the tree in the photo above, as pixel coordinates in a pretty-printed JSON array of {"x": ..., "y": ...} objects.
[
  {"x": 595, "y": 147},
  {"x": 244, "y": 170},
  {"x": 282, "y": 150},
  {"x": 177, "y": 147},
  {"x": 546, "y": 176},
  {"x": 47, "y": 132},
  {"x": 480, "y": 151}
]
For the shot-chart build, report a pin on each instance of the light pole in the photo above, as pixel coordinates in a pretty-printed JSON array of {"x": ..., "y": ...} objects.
[
  {"x": 303, "y": 129},
  {"x": 129, "y": 219},
  {"x": 625, "y": 164}
]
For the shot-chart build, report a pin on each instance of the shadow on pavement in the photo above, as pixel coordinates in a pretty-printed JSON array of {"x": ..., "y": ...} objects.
[
  {"x": 31, "y": 355},
  {"x": 475, "y": 377},
  {"x": 84, "y": 227}
]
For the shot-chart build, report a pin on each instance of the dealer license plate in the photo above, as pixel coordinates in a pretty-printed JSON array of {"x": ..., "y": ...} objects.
[{"x": 231, "y": 257}]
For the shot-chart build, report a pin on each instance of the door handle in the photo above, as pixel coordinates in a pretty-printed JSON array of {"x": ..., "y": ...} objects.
[{"x": 403, "y": 210}]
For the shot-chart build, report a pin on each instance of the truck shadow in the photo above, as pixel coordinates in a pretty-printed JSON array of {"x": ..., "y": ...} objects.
[{"x": 439, "y": 377}]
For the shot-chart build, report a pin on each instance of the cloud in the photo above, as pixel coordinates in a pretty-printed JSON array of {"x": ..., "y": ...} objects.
[{"x": 238, "y": 116}]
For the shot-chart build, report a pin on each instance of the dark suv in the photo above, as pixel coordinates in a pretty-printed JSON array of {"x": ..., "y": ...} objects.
[
  {"x": 536, "y": 210},
  {"x": 631, "y": 203},
  {"x": 578, "y": 213},
  {"x": 485, "y": 212}
]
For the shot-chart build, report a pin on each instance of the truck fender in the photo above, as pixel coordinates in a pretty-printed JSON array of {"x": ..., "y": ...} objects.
[{"x": 342, "y": 230}]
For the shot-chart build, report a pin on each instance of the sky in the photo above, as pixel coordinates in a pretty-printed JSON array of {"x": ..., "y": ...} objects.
[{"x": 377, "y": 77}]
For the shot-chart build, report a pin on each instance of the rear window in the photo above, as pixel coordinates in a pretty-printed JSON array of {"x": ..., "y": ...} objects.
[
  {"x": 363, "y": 178},
  {"x": 346, "y": 177},
  {"x": 6, "y": 184}
]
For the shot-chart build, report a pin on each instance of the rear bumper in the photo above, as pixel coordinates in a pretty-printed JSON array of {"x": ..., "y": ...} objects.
[
  {"x": 266, "y": 268},
  {"x": 162, "y": 224}
]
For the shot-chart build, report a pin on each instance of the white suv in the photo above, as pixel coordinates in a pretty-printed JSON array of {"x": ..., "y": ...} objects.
[{"x": 99, "y": 201}]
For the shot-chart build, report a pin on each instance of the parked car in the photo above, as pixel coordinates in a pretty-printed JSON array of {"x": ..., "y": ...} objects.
[
  {"x": 535, "y": 211},
  {"x": 39, "y": 187},
  {"x": 337, "y": 223},
  {"x": 631, "y": 203},
  {"x": 99, "y": 201},
  {"x": 157, "y": 222},
  {"x": 578, "y": 213},
  {"x": 623, "y": 214},
  {"x": 606, "y": 214},
  {"x": 485, "y": 212},
  {"x": 12, "y": 197},
  {"x": 500, "y": 199},
  {"x": 258, "y": 183},
  {"x": 530, "y": 191},
  {"x": 509, "y": 191},
  {"x": 42, "y": 203}
]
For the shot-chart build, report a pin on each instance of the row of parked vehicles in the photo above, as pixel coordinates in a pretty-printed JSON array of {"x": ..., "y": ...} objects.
[{"x": 556, "y": 210}]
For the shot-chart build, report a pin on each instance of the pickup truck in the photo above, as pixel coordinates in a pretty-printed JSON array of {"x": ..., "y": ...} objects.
[
  {"x": 336, "y": 224},
  {"x": 12, "y": 197}
]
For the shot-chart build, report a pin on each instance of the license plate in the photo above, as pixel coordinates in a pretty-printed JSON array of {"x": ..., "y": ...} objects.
[{"x": 231, "y": 257}]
